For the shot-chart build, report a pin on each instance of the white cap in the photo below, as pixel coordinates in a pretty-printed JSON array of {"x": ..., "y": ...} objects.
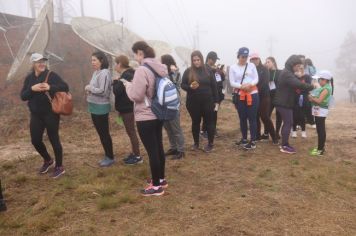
[
  {"x": 35, "y": 57},
  {"x": 323, "y": 74}
]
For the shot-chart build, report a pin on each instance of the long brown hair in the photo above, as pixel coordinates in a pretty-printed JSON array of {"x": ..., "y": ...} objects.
[{"x": 193, "y": 74}]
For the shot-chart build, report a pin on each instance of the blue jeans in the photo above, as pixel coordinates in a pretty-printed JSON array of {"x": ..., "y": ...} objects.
[{"x": 249, "y": 113}]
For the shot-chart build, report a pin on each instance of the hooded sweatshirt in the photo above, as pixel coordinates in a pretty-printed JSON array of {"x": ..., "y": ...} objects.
[
  {"x": 288, "y": 82},
  {"x": 141, "y": 89},
  {"x": 122, "y": 103}
]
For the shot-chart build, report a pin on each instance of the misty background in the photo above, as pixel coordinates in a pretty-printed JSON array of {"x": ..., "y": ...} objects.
[{"x": 279, "y": 28}]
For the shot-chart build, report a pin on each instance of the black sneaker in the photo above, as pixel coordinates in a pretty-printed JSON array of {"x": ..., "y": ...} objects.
[
  {"x": 208, "y": 148},
  {"x": 171, "y": 152},
  {"x": 264, "y": 137},
  {"x": 45, "y": 167},
  {"x": 180, "y": 155},
  {"x": 251, "y": 145},
  {"x": 242, "y": 142},
  {"x": 134, "y": 160},
  {"x": 275, "y": 142},
  {"x": 128, "y": 157},
  {"x": 2, "y": 205}
]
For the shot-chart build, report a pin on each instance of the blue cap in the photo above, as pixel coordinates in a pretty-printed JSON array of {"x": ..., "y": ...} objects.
[{"x": 243, "y": 52}]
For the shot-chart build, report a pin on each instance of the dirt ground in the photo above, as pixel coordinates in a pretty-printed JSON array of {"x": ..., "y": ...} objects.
[{"x": 227, "y": 192}]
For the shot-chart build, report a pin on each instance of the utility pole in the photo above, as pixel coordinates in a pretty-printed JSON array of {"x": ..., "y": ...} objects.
[
  {"x": 34, "y": 5},
  {"x": 112, "y": 15},
  {"x": 82, "y": 8},
  {"x": 198, "y": 31},
  {"x": 271, "y": 42},
  {"x": 60, "y": 11}
]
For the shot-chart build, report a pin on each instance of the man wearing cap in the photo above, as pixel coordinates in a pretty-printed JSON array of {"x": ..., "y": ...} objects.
[{"x": 219, "y": 76}]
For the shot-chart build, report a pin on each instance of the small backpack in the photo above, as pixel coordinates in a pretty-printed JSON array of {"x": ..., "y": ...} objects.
[{"x": 165, "y": 102}]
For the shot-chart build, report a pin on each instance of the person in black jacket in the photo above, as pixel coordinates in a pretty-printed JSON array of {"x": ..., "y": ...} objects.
[
  {"x": 285, "y": 98},
  {"x": 36, "y": 92},
  {"x": 274, "y": 74},
  {"x": 219, "y": 75},
  {"x": 265, "y": 101},
  {"x": 125, "y": 107},
  {"x": 2, "y": 201},
  {"x": 202, "y": 98}
]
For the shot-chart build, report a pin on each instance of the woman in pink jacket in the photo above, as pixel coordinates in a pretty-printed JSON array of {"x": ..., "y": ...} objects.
[{"x": 141, "y": 91}]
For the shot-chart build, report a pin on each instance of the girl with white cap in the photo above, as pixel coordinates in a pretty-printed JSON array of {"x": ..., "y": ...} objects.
[{"x": 320, "y": 99}]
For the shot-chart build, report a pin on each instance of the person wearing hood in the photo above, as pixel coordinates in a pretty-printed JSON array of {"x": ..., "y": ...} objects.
[
  {"x": 141, "y": 91},
  {"x": 125, "y": 107},
  {"x": 202, "y": 98},
  {"x": 285, "y": 96},
  {"x": 265, "y": 101},
  {"x": 36, "y": 91},
  {"x": 243, "y": 77},
  {"x": 98, "y": 98}
]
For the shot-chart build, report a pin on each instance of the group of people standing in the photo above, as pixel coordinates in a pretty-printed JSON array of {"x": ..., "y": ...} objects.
[{"x": 258, "y": 89}]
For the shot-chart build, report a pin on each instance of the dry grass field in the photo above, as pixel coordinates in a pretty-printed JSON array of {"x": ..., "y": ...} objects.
[{"x": 226, "y": 192}]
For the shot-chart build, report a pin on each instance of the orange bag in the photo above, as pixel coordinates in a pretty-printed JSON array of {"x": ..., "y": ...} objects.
[{"x": 62, "y": 102}]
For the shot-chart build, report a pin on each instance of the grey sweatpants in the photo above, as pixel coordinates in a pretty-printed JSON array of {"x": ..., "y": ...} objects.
[{"x": 175, "y": 134}]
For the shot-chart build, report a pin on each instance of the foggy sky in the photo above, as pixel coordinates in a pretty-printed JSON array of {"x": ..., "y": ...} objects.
[{"x": 315, "y": 28}]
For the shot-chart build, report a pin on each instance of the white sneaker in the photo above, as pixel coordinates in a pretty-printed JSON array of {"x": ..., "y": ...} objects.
[
  {"x": 294, "y": 134},
  {"x": 313, "y": 126},
  {"x": 304, "y": 134}
]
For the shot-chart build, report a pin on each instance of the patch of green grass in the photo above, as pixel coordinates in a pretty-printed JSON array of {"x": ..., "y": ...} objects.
[
  {"x": 295, "y": 162},
  {"x": 8, "y": 166},
  {"x": 265, "y": 173},
  {"x": 106, "y": 203},
  {"x": 56, "y": 210},
  {"x": 20, "y": 179},
  {"x": 128, "y": 198}
]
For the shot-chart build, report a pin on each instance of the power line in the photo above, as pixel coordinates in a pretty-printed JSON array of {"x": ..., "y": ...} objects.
[
  {"x": 143, "y": 5},
  {"x": 178, "y": 25}
]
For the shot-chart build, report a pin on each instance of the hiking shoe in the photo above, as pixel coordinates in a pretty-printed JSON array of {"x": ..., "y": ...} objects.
[
  {"x": 45, "y": 167},
  {"x": 58, "y": 171},
  {"x": 251, "y": 145},
  {"x": 128, "y": 157},
  {"x": 106, "y": 162},
  {"x": 242, "y": 142},
  {"x": 134, "y": 160},
  {"x": 2, "y": 205},
  {"x": 208, "y": 148},
  {"x": 288, "y": 149},
  {"x": 264, "y": 137},
  {"x": 317, "y": 153},
  {"x": 294, "y": 134},
  {"x": 163, "y": 183},
  {"x": 304, "y": 134},
  {"x": 195, "y": 147},
  {"x": 171, "y": 152},
  {"x": 152, "y": 191},
  {"x": 179, "y": 155}
]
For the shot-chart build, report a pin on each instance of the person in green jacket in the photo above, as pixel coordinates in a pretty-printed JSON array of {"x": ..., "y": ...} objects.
[{"x": 321, "y": 99}]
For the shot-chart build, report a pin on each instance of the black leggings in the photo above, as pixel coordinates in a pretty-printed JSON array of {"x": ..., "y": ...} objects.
[
  {"x": 101, "y": 123},
  {"x": 278, "y": 115},
  {"x": 50, "y": 122},
  {"x": 320, "y": 129},
  {"x": 151, "y": 136},
  {"x": 1, "y": 196},
  {"x": 201, "y": 106},
  {"x": 264, "y": 114}
]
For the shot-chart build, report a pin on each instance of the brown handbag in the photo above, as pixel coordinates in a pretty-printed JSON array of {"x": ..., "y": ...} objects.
[{"x": 62, "y": 103}]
